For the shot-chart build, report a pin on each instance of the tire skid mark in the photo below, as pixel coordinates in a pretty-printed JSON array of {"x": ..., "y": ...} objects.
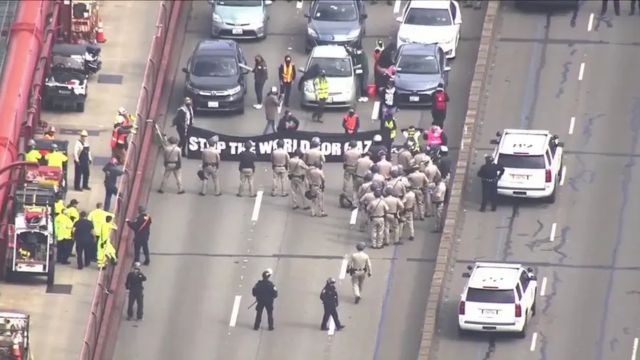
[
  {"x": 582, "y": 174},
  {"x": 551, "y": 292}
]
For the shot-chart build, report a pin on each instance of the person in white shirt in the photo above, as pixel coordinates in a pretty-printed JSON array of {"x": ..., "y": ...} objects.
[{"x": 82, "y": 159}]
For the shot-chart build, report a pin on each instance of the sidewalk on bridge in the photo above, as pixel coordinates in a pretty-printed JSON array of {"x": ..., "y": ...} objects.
[{"x": 59, "y": 315}]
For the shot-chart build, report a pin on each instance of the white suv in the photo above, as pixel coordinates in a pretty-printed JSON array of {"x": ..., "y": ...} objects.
[
  {"x": 497, "y": 298},
  {"x": 532, "y": 160}
]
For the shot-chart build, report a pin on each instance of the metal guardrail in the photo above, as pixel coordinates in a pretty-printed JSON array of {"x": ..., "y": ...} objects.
[
  {"x": 107, "y": 284},
  {"x": 8, "y": 10}
]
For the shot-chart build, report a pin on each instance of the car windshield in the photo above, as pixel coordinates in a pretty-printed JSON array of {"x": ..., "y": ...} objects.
[
  {"x": 521, "y": 161},
  {"x": 333, "y": 67},
  {"x": 491, "y": 296},
  {"x": 428, "y": 17},
  {"x": 239, "y": 2},
  {"x": 417, "y": 64},
  {"x": 336, "y": 11},
  {"x": 215, "y": 66}
]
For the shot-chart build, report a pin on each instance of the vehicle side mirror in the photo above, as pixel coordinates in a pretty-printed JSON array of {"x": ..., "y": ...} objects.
[
  {"x": 498, "y": 134},
  {"x": 364, "y": 16},
  {"x": 307, "y": 16},
  {"x": 466, "y": 275},
  {"x": 457, "y": 21},
  {"x": 301, "y": 69},
  {"x": 469, "y": 267},
  {"x": 530, "y": 270},
  {"x": 399, "y": 19},
  {"x": 533, "y": 277},
  {"x": 268, "y": 2},
  {"x": 185, "y": 70},
  {"x": 560, "y": 144},
  {"x": 494, "y": 142},
  {"x": 447, "y": 68}
]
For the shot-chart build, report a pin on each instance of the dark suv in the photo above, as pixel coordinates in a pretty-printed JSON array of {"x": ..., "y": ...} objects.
[
  {"x": 216, "y": 74},
  {"x": 335, "y": 22},
  {"x": 419, "y": 70}
]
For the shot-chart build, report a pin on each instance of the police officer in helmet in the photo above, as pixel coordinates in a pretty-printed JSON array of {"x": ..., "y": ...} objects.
[
  {"x": 490, "y": 173},
  {"x": 265, "y": 293}
]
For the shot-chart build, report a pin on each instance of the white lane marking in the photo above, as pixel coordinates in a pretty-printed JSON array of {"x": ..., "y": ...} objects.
[
  {"x": 354, "y": 216},
  {"x": 235, "y": 310},
  {"x": 564, "y": 175},
  {"x": 343, "y": 268},
  {"x": 332, "y": 327},
  {"x": 299, "y": 5},
  {"x": 543, "y": 288},
  {"x": 590, "y": 25},
  {"x": 552, "y": 236},
  {"x": 375, "y": 111},
  {"x": 534, "y": 338},
  {"x": 396, "y": 6},
  {"x": 461, "y": 145},
  {"x": 256, "y": 206},
  {"x": 581, "y": 73},
  {"x": 572, "y": 124},
  {"x": 634, "y": 350}
]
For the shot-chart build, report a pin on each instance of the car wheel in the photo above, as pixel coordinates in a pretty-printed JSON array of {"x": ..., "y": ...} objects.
[
  {"x": 80, "y": 107},
  {"x": 523, "y": 334}
]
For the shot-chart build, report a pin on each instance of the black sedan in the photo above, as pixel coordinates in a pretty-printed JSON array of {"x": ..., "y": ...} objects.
[
  {"x": 419, "y": 70},
  {"x": 335, "y": 22},
  {"x": 216, "y": 76}
]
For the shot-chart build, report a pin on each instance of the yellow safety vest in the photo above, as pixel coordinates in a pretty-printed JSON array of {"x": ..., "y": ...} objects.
[
  {"x": 73, "y": 214},
  {"x": 98, "y": 217},
  {"x": 63, "y": 227},
  {"x": 33, "y": 156},
  {"x": 58, "y": 206},
  {"x": 287, "y": 73},
  {"x": 105, "y": 232},
  {"x": 56, "y": 159},
  {"x": 322, "y": 88},
  {"x": 389, "y": 124}
]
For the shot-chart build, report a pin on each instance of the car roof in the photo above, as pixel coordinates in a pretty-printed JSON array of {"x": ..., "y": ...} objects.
[
  {"x": 524, "y": 142},
  {"x": 430, "y": 4},
  {"x": 217, "y": 46},
  {"x": 329, "y": 51},
  {"x": 496, "y": 276},
  {"x": 418, "y": 49}
]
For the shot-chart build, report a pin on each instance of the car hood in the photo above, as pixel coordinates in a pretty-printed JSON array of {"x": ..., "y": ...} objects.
[
  {"x": 337, "y": 84},
  {"x": 334, "y": 30},
  {"x": 240, "y": 14},
  {"x": 427, "y": 34},
  {"x": 417, "y": 82},
  {"x": 217, "y": 83}
]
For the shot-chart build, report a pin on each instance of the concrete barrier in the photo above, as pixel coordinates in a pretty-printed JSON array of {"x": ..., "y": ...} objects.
[{"x": 455, "y": 215}]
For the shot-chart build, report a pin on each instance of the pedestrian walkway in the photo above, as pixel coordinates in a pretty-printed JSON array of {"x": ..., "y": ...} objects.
[{"x": 59, "y": 314}]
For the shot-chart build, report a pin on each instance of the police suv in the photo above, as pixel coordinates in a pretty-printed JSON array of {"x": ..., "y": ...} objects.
[
  {"x": 532, "y": 160},
  {"x": 498, "y": 297}
]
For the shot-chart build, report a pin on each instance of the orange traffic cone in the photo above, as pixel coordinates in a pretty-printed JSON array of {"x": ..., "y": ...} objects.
[{"x": 100, "y": 37}]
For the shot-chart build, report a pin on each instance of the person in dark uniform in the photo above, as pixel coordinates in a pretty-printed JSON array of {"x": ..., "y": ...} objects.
[
  {"x": 141, "y": 227},
  {"x": 490, "y": 173},
  {"x": 616, "y": 7},
  {"x": 265, "y": 293},
  {"x": 377, "y": 146},
  {"x": 183, "y": 121},
  {"x": 329, "y": 297},
  {"x": 83, "y": 236},
  {"x": 134, "y": 285},
  {"x": 444, "y": 162},
  {"x": 633, "y": 7}
]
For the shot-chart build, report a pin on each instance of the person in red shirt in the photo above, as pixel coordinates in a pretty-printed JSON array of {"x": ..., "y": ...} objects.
[
  {"x": 439, "y": 106},
  {"x": 351, "y": 122}
]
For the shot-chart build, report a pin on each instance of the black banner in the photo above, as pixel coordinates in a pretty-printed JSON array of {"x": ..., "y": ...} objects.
[{"x": 333, "y": 144}]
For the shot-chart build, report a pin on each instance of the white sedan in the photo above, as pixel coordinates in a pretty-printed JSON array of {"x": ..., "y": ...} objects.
[{"x": 431, "y": 22}]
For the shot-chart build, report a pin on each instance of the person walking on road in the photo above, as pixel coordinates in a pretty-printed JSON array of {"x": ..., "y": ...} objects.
[
  {"x": 286, "y": 75},
  {"x": 97, "y": 217},
  {"x": 616, "y": 7},
  {"x": 316, "y": 189},
  {"x": 265, "y": 293},
  {"x": 279, "y": 164},
  {"x": 297, "y": 173},
  {"x": 329, "y": 297},
  {"x": 271, "y": 104},
  {"x": 83, "y": 235},
  {"x": 112, "y": 171},
  {"x": 172, "y": 164},
  {"x": 247, "y": 168},
  {"x": 260, "y": 75},
  {"x": 82, "y": 159},
  {"x": 350, "y": 161},
  {"x": 392, "y": 218},
  {"x": 321, "y": 88},
  {"x": 439, "y": 107},
  {"x": 183, "y": 121},
  {"x": 210, "y": 166},
  {"x": 359, "y": 266},
  {"x": 141, "y": 227},
  {"x": 134, "y": 284},
  {"x": 437, "y": 201},
  {"x": 490, "y": 174}
]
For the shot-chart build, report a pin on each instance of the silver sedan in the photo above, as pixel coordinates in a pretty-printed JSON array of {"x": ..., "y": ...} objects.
[{"x": 239, "y": 19}]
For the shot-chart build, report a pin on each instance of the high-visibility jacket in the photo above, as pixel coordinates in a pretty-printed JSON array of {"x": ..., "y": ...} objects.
[
  {"x": 98, "y": 217},
  {"x": 105, "y": 231},
  {"x": 287, "y": 73},
  {"x": 58, "y": 206},
  {"x": 434, "y": 137},
  {"x": 63, "y": 227},
  {"x": 33, "y": 155},
  {"x": 56, "y": 159},
  {"x": 350, "y": 123},
  {"x": 118, "y": 137},
  {"x": 391, "y": 127},
  {"x": 322, "y": 88},
  {"x": 440, "y": 100},
  {"x": 73, "y": 214}
]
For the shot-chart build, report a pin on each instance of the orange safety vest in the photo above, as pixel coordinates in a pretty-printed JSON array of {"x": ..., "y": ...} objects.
[
  {"x": 434, "y": 138},
  {"x": 48, "y": 137},
  {"x": 350, "y": 123},
  {"x": 439, "y": 100},
  {"x": 287, "y": 72},
  {"x": 118, "y": 138}
]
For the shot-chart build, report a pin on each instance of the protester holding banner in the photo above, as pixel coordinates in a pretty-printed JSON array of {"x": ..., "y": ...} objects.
[
  {"x": 279, "y": 163},
  {"x": 288, "y": 123},
  {"x": 271, "y": 104},
  {"x": 247, "y": 168},
  {"x": 297, "y": 171}
]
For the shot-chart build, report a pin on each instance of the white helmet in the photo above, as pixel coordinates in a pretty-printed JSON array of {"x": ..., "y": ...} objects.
[
  {"x": 274, "y": 89},
  {"x": 122, "y": 110},
  {"x": 377, "y": 137}
]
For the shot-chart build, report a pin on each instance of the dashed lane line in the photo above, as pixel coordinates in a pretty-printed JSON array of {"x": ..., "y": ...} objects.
[
  {"x": 235, "y": 310},
  {"x": 552, "y": 235},
  {"x": 581, "y": 72},
  {"x": 572, "y": 124},
  {"x": 634, "y": 349},
  {"x": 534, "y": 339},
  {"x": 590, "y": 24},
  {"x": 343, "y": 268},
  {"x": 543, "y": 288},
  {"x": 563, "y": 175},
  {"x": 256, "y": 206}
]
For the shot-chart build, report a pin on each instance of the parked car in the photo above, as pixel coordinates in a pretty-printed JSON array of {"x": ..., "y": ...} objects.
[
  {"x": 419, "y": 70},
  {"x": 340, "y": 73},
  {"x": 431, "y": 22},
  {"x": 335, "y": 22},
  {"x": 547, "y": 4},
  {"x": 216, "y": 76},
  {"x": 89, "y": 54},
  {"x": 239, "y": 19},
  {"x": 66, "y": 84}
]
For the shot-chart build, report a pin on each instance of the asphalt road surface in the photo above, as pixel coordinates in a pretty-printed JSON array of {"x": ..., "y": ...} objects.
[
  {"x": 207, "y": 253},
  {"x": 575, "y": 80}
]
